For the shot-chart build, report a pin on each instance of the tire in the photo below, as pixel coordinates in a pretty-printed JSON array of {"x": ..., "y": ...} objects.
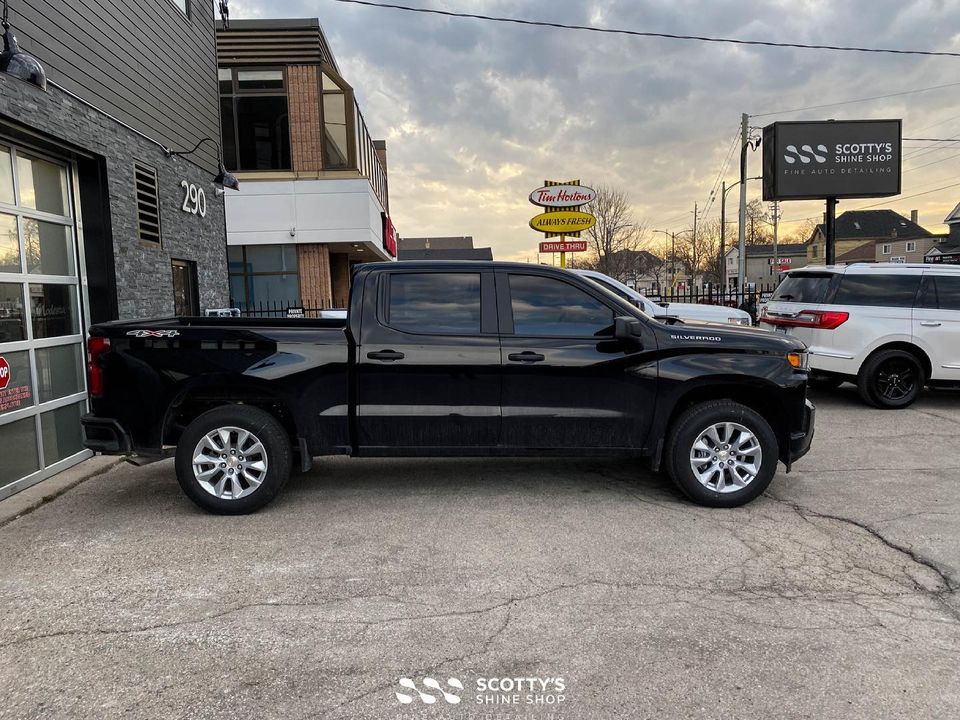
[
  {"x": 825, "y": 382},
  {"x": 891, "y": 379},
  {"x": 257, "y": 477},
  {"x": 693, "y": 426}
]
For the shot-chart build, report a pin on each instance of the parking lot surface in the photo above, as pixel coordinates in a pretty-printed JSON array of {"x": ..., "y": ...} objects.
[{"x": 831, "y": 596}]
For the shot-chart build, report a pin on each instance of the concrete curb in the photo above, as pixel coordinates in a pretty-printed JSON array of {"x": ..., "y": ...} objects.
[{"x": 25, "y": 502}]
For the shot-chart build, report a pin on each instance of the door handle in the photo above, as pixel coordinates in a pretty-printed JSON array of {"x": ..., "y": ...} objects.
[
  {"x": 388, "y": 355},
  {"x": 930, "y": 323},
  {"x": 526, "y": 357}
]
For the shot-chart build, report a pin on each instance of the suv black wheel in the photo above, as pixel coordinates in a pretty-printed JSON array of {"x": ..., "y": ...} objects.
[
  {"x": 721, "y": 454},
  {"x": 233, "y": 459},
  {"x": 891, "y": 379}
]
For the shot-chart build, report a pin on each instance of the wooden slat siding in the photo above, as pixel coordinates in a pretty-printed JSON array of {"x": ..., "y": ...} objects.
[
  {"x": 313, "y": 262},
  {"x": 552, "y": 183},
  {"x": 141, "y": 61},
  {"x": 260, "y": 46},
  {"x": 303, "y": 91}
]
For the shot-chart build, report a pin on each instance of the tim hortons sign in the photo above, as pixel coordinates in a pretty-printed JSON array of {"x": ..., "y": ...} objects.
[{"x": 563, "y": 196}]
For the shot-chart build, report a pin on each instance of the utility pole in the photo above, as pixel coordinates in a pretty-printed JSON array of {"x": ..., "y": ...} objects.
[
  {"x": 741, "y": 260},
  {"x": 723, "y": 238},
  {"x": 693, "y": 246},
  {"x": 673, "y": 261}
]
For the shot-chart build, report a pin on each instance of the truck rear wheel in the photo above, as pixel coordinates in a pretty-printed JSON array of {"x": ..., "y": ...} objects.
[
  {"x": 721, "y": 454},
  {"x": 233, "y": 459}
]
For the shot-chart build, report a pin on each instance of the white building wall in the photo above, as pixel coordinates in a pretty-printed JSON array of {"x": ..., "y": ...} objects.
[{"x": 274, "y": 212}]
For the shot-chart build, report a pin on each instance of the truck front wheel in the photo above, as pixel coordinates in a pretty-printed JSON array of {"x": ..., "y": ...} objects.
[
  {"x": 233, "y": 459},
  {"x": 721, "y": 454}
]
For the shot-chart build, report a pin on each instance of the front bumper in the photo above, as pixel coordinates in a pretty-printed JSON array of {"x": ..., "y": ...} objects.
[
  {"x": 105, "y": 435},
  {"x": 800, "y": 440}
]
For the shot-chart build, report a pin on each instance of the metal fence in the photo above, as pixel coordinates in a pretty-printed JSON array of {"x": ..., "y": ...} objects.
[
  {"x": 707, "y": 295},
  {"x": 279, "y": 309}
]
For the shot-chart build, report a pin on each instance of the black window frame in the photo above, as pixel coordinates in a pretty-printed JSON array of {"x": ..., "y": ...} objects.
[
  {"x": 488, "y": 304},
  {"x": 885, "y": 301},
  {"x": 247, "y": 276},
  {"x": 236, "y": 93},
  {"x": 505, "y": 301}
]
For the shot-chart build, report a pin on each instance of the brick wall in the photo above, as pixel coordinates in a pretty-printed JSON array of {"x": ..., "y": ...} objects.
[
  {"x": 144, "y": 278},
  {"x": 305, "y": 130},
  {"x": 340, "y": 277},
  {"x": 314, "y": 263}
]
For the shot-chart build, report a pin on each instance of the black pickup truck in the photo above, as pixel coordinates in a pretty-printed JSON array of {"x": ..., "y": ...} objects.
[{"x": 450, "y": 359}]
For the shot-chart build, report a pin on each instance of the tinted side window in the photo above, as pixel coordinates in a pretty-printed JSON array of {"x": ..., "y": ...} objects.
[
  {"x": 878, "y": 290},
  {"x": 942, "y": 291},
  {"x": 804, "y": 288},
  {"x": 435, "y": 303},
  {"x": 545, "y": 306}
]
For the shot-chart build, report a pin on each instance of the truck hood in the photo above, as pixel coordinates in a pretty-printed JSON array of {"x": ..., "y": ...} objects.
[{"x": 723, "y": 336}]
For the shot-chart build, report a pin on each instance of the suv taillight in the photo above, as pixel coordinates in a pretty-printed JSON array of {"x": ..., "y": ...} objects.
[
  {"x": 817, "y": 319},
  {"x": 96, "y": 347}
]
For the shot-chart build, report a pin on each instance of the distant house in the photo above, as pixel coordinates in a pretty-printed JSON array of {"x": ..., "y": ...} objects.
[
  {"x": 893, "y": 235},
  {"x": 948, "y": 251},
  {"x": 441, "y": 248},
  {"x": 761, "y": 268},
  {"x": 867, "y": 252}
]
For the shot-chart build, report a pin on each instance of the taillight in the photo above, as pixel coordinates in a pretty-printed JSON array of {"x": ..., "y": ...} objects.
[
  {"x": 96, "y": 347},
  {"x": 817, "y": 319}
]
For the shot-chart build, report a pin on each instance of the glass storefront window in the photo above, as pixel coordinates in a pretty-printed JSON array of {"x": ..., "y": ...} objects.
[
  {"x": 59, "y": 372},
  {"x": 61, "y": 433},
  {"x": 280, "y": 290},
  {"x": 43, "y": 185},
  {"x": 271, "y": 258},
  {"x": 13, "y": 325},
  {"x": 48, "y": 247},
  {"x": 18, "y": 394},
  {"x": 9, "y": 244},
  {"x": 6, "y": 176},
  {"x": 22, "y": 435},
  {"x": 53, "y": 310}
]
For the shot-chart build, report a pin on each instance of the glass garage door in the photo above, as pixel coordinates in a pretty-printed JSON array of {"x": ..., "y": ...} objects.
[{"x": 42, "y": 376}]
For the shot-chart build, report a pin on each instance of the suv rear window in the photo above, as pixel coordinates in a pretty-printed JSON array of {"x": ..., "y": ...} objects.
[
  {"x": 804, "y": 288},
  {"x": 878, "y": 290},
  {"x": 940, "y": 292}
]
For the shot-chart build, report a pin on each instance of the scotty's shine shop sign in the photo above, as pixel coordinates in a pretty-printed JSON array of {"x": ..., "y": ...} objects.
[{"x": 831, "y": 159}]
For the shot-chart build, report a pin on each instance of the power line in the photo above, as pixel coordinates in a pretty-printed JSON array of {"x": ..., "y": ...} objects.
[
  {"x": 843, "y": 102},
  {"x": 638, "y": 33},
  {"x": 933, "y": 162},
  {"x": 907, "y": 197}
]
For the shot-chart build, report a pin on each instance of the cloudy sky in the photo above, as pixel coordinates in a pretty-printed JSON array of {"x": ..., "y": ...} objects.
[{"x": 478, "y": 114}]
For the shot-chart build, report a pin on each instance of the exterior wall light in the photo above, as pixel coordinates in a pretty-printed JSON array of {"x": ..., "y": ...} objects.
[
  {"x": 224, "y": 178},
  {"x": 17, "y": 63}
]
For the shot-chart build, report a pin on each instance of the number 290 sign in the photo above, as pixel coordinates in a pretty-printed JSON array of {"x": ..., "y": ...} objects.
[{"x": 194, "y": 199}]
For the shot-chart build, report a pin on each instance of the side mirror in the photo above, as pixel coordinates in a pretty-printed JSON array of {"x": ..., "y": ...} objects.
[{"x": 627, "y": 329}]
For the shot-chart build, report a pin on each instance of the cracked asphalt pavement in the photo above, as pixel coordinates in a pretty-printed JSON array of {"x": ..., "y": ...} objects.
[{"x": 833, "y": 596}]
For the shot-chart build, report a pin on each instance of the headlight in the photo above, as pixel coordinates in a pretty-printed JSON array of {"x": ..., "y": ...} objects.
[
  {"x": 799, "y": 360},
  {"x": 739, "y": 321}
]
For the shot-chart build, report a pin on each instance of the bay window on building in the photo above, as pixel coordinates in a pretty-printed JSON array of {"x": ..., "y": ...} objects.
[{"x": 255, "y": 119}]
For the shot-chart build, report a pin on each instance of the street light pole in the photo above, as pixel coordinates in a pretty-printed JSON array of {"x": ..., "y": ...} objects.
[{"x": 741, "y": 231}]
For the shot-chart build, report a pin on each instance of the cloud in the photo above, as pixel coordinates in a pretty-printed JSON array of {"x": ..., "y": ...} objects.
[{"x": 478, "y": 114}]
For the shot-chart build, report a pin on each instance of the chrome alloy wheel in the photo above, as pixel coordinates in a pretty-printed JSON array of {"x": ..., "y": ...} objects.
[
  {"x": 726, "y": 457},
  {"x": 230, "y": 463}
]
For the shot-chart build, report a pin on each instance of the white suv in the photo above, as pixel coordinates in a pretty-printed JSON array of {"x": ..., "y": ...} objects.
[{"x": 890, "y": 328}]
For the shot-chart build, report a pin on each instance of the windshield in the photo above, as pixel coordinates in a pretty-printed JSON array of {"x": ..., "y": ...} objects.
[{"x": 804, "y": 288}]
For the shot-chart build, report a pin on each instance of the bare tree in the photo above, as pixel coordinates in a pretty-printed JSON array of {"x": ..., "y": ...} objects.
[{"x": 617, "y": 235}]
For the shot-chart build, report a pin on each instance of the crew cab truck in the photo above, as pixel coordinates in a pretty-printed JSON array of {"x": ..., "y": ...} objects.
[{"x": 450, "y": 359}]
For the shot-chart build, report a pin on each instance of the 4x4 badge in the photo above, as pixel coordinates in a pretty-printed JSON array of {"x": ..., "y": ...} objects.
[{"x": 154, "y": 333}]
